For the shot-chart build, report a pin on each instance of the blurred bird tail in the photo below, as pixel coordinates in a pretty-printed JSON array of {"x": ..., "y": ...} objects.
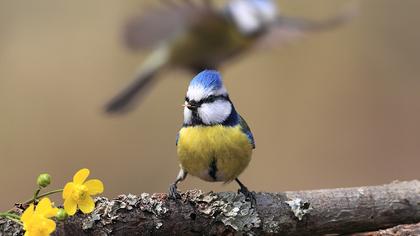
[{"x": 144, "y": 78}]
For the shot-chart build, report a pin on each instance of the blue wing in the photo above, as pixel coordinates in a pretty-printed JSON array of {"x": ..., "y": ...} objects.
[
  {"x": 247, "y": 130},
  {"x": 177, "y": 137}
]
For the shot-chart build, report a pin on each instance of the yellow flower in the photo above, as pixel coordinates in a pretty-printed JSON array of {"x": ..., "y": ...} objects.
[
  {"x": 78, "y": 193},
  {"x": 36, "y": 221}
]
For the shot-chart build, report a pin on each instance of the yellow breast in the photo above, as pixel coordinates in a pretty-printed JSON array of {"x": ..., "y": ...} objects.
[{"x": 214, "y": 153}]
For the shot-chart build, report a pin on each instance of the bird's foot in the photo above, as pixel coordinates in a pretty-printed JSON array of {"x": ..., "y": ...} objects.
[
  {"x": 249, "y": 196},
  {"x": 173, "y": 192}
]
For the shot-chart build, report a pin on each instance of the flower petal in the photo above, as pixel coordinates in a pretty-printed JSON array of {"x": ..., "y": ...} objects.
[
  {"x": 28, "y": 213},
  {"x": 81, "y": 176},
  {"x": 43, "y": 207},
  {"x": 87, "y": 205},
  {"x": 51, "y": 212},
  {"x": 49, "y": 226},
  {"x": 70, "y": 206},
  {"x": 68, "y": 189},
  {"x": 95, "y": 186}
]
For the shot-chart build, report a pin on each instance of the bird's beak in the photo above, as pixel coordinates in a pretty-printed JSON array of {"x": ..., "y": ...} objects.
[{"x": 189, "y": 106}]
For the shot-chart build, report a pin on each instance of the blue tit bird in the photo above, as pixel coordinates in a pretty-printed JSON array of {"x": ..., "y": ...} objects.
[
  {"x": 194, "y": 36},
  {"x": 215, "y": 143}
]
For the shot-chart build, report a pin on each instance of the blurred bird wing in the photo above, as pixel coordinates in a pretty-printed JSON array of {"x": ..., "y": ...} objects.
[
  {"x": 162, "y": 23},
  {"x": 245, "y": 128},
  {"x": 300, "y": 24},
  {"x": 287, "y": 29}
]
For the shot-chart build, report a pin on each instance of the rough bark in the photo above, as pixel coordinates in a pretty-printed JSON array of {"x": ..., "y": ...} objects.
[{"x": 317, "y": 212}]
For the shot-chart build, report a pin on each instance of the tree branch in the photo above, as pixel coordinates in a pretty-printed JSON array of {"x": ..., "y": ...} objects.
[
  {"x": 400, "y": 230},
  {"x": 318, "y": 212}
]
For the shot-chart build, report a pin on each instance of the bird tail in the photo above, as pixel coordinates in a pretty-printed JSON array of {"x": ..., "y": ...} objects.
[{"x": 144, "y": 78}]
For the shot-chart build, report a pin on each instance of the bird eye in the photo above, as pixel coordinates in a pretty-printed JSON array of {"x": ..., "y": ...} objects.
[
  {"x": 187, "y": 99},
  {"x": 211, "y": 98}
]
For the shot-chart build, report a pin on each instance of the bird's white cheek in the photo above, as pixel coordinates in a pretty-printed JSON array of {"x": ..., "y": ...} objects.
[
  {"x": 214, "y": 113},
  {"x": 187, "y": 116}
]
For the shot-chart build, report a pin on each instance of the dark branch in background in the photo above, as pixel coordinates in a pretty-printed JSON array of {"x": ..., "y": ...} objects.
[{"x": 318, "y": 212}]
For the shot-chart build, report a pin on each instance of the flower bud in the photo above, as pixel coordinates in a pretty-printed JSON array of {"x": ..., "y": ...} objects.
[
  {"x": 43, "y": 180},
  {"x": 61, "y": 214}
]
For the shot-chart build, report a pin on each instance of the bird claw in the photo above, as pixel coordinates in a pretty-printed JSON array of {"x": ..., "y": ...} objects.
[
  {"x": 249, "y": 196},
  {"x": 173, "y": 192}
]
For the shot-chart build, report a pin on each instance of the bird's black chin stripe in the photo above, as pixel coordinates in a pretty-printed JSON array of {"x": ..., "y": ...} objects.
[{"x": 195, "y": 118}]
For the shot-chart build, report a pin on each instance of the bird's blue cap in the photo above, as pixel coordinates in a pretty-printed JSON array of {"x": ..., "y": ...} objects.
[{"x": 209, "y": 79}]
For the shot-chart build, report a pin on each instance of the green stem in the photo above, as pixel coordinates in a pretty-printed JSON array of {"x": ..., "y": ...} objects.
[
  {"x": 43, "y": 195},
  {"x": 9, "y": 215},
  {"x": 36, "y": 194},
  {"x": 40, "y": 196}
]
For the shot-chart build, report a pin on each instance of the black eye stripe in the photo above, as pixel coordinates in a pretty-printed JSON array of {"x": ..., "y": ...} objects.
[
  {"x": 213, "y": 98},
  {"x": 208, "y": 99}
]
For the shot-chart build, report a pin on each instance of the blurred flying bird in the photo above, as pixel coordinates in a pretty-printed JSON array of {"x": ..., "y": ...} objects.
[
  {"x": 198, "y": 35},
  {"x": 215, "y": 143}
]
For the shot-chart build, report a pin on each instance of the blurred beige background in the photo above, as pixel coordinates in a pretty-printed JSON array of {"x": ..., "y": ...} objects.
[{"x": 335, "y": 109}]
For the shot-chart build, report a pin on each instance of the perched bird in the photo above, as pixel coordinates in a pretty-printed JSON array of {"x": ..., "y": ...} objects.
[
  {"x": 198, "y": 35},
  {"x": 215, "y": 143}
]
